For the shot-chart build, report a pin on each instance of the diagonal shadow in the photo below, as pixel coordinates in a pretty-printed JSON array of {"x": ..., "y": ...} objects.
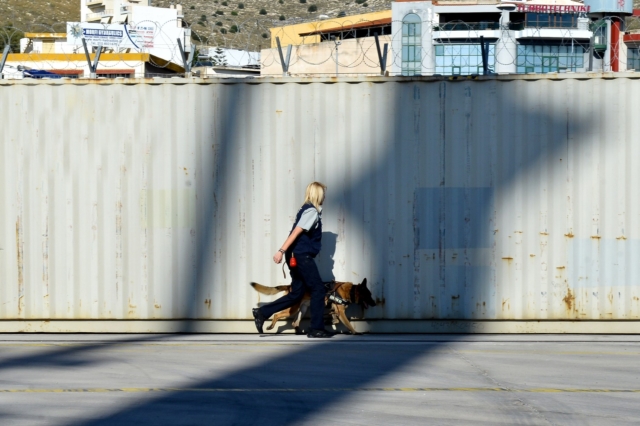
[
  {"x": 438, "y": 143},
  {"x": 277, "y": 391},
  {"x": 441, "y": 142}
]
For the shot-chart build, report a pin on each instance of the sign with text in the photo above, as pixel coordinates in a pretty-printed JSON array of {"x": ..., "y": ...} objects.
[
  {"x": 111, "y": 36},
  {"x": 552, "y": 8}
]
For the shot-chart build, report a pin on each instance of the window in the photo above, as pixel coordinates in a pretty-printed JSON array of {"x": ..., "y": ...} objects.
[
  {"x": 461, "y": 59},
  {"x": 411, "y": 45},
  {"x": 551, "y": 20},
  {"x": 356, "y": 33},
  {"x": 114, "y": 74},
  {"x": 550, "y": 58},
  {"x": 633, "y": 59}
]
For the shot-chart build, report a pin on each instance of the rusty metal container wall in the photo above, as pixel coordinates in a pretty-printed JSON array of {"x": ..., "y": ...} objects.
[{"x": 501, "y": 199}]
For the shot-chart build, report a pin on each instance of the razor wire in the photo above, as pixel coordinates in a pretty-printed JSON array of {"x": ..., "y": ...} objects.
[{"x": 337, "y": 46}]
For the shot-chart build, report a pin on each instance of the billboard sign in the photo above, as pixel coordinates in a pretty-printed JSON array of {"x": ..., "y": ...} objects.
[{"x": 111, "y": 36}]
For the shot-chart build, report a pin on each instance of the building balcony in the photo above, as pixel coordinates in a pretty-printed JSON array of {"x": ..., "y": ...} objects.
[
  {"x": 94, "y": 3},
  {"x": 553, "y": 33},
  {"x": 93, "y": 17},
  {"x": 467, "y": 26}
]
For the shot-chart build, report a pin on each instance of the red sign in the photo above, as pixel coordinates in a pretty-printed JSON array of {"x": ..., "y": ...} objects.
[{"x": 552, "y": 8}]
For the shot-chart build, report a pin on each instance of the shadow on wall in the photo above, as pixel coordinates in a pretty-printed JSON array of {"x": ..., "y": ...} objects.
[
  {"x": 453, "y": 194},
  {"x": 325, "y": 260}
]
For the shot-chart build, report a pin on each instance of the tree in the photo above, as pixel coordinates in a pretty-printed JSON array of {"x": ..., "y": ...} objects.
[{"x": 219, "y": 59}]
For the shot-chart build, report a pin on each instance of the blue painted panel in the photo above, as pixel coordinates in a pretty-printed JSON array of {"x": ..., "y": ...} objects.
[{"x": 610, "y": 6}]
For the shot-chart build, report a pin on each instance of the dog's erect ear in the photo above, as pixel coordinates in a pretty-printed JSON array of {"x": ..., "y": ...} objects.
[{"x": 364, "y": 283}]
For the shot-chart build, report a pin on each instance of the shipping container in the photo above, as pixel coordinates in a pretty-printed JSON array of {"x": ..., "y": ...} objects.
[{"x": 501, "y": 204}]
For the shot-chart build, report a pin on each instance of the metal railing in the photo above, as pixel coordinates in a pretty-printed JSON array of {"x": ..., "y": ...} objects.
[
  {"x": 467, "y": 26},
  {"x": 99, "y": 15}
]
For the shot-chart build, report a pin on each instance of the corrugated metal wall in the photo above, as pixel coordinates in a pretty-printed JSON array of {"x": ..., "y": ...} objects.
[{"x": 502, "y": 199}]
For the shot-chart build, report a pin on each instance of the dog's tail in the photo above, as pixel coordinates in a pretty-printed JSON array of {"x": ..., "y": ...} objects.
[{"x": 269, "y": 290}]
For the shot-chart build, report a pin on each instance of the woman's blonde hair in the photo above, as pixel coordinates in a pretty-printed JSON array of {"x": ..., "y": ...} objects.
[{"x": 315, "y": 194}]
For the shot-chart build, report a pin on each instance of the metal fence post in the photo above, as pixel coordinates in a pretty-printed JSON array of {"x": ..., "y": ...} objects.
[
  {"x": 93, "y": 68},
  {"x": 4, "y": 59},
  {"x": 382, "y": 56},
  {"x": 186, "y": 60},
  {"x": 283, "y": 63}
]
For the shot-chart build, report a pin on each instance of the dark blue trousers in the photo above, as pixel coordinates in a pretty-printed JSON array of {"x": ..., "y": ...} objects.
[{"x": 304, "y": 277}]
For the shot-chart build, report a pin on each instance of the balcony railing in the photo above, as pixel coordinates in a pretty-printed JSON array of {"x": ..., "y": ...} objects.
[
  {"x": 467, "y": 26},
  {"x": 99, "y": 15}
]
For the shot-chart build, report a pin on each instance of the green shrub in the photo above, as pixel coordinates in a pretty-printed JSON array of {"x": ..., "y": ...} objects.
[
  {"x": 225, "y": 3},
  {"x": 234, "y": 13},
  {"x": 219, "y": 23},
  {"x": 219, "y": 12},
  {"x": 263, "y": 11},
  {"x": 240, "y": 5},
  {"x": 312, "y": 8},
  {"x": 233, "y": 29},
  {"x": 192, "y": 8},
  {"x": 303, "y": 1},
  {"x": 265, "y": 35},
  {"x": 203, "y": 17},
  {"x": 223, "y": 31},
  {"x": 282, "y": 18}
]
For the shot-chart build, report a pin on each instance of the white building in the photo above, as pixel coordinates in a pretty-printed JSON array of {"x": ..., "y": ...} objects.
[
  {"x": 107, "y": 11},
  {"x": 535, "y": 36}
]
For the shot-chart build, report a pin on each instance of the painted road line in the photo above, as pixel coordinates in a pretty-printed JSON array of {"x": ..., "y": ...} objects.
[{"x": 443, "y": 389}]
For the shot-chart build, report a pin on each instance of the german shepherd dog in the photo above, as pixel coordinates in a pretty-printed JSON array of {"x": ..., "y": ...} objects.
[{"x": 351, "y": 293}]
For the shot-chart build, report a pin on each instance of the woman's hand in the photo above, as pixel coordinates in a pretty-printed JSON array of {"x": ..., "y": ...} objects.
[{"x": 277, "y": 257}]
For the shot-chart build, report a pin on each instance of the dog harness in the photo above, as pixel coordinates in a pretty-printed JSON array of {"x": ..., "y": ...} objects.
[{"x": 334, "y": 297}]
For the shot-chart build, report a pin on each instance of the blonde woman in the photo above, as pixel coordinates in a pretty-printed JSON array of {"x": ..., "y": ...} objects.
[{"x": 303, "y": 244}]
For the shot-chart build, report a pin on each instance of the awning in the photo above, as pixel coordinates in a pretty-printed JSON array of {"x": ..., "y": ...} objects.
[{"x": 40, "y": 74}]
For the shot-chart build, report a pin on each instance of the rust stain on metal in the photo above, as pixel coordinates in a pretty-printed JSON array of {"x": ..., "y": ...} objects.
[
  {"x": 208, "y": 303},
  {"x": 544, "y": 233},
  {"x": 505, "y": 303},
  {"x": 455, "y": 297},
  {"x": 560, "y": 267},
  {"x": 569, "y": 300},
  {"x": 569, "y": 234},
  {"x": 532, "y": 255},
  {"x": 596, "y": 237},
  {"x": 380, "y": 302},
  {"x": 621, "y": 237},
  {"x": 157, "y": 306}
]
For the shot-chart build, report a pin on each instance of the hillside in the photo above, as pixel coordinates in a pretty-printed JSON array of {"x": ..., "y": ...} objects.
[{"x": 240, "y": 24}]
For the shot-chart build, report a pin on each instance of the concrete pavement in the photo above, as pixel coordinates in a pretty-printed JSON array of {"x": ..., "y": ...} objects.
[{"x": 292, "y": 380}]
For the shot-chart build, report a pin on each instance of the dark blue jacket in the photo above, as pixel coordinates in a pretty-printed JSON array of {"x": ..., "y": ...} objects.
[{"x": 309, "y": 242}]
